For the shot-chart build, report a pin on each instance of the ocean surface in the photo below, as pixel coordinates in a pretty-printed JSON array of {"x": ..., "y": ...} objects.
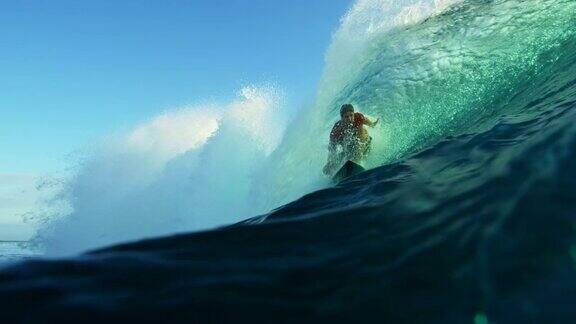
[
  {"x": 467, "y": 213},
  {"x": 16, "y": 251}
]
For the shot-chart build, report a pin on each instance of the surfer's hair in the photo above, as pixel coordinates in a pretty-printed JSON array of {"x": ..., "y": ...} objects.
[{"x": 346, "y": 108}]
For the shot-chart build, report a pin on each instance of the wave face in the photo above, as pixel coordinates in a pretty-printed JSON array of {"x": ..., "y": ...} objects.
[
  {"x": 456, "y": 71},
  {"x": 466, "y": 216},
  {"x": 205, "y": 166}
]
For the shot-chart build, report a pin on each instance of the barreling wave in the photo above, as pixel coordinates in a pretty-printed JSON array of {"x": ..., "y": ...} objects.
[
  {"x": 457, "y": 71},
  {"x": 428, "y": 69},
  {"x": 467, "y": 215}
]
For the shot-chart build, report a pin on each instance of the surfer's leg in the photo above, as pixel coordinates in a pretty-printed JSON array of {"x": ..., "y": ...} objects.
[
  {"x": 368, "y": 147},
  {"x": 360, "y": 150},
  {"x": 357, "y": 152},
  {"x": 334, "y": 162}
]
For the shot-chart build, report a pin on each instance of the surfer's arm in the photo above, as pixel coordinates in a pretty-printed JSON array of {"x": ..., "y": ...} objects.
[
  {"x": 371, "y": 123},
  {"x": 366, "y": 121}
]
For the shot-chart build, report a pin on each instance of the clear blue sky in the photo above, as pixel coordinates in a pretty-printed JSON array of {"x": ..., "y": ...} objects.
[{"x": 71, "y": 71}]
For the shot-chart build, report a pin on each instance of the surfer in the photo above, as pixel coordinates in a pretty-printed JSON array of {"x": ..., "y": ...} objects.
[{"x": 349, "y": 140}]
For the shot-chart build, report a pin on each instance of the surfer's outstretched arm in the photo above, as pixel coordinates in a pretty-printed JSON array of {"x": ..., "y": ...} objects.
[{"x": 372, "y": 123}]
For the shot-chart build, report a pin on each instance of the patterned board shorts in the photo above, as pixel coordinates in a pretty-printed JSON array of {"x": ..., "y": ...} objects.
[{"x": 358, "y": 150}]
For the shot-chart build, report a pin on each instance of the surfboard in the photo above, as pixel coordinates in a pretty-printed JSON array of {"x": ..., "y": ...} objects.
[{"x": 347, "y": 170}]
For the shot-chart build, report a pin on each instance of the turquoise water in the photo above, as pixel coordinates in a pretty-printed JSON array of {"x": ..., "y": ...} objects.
[
  {"x": 459, "y": 71},
  {"x": 467, "y": 216},
  {"x": 428, "y": 72}
]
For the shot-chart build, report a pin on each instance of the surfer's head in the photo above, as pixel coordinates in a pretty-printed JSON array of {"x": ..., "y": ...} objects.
[{"x": 347, "y": 113}]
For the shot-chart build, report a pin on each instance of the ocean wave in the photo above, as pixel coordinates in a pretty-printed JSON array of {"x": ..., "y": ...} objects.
[{"x": 466, "y": 216}]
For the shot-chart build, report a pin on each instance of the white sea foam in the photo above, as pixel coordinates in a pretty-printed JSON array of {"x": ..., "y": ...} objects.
[{"x": 184, "y": 170}]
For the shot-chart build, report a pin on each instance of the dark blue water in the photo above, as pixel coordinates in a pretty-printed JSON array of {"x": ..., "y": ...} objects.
[{"x": 477, "y": 227}]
